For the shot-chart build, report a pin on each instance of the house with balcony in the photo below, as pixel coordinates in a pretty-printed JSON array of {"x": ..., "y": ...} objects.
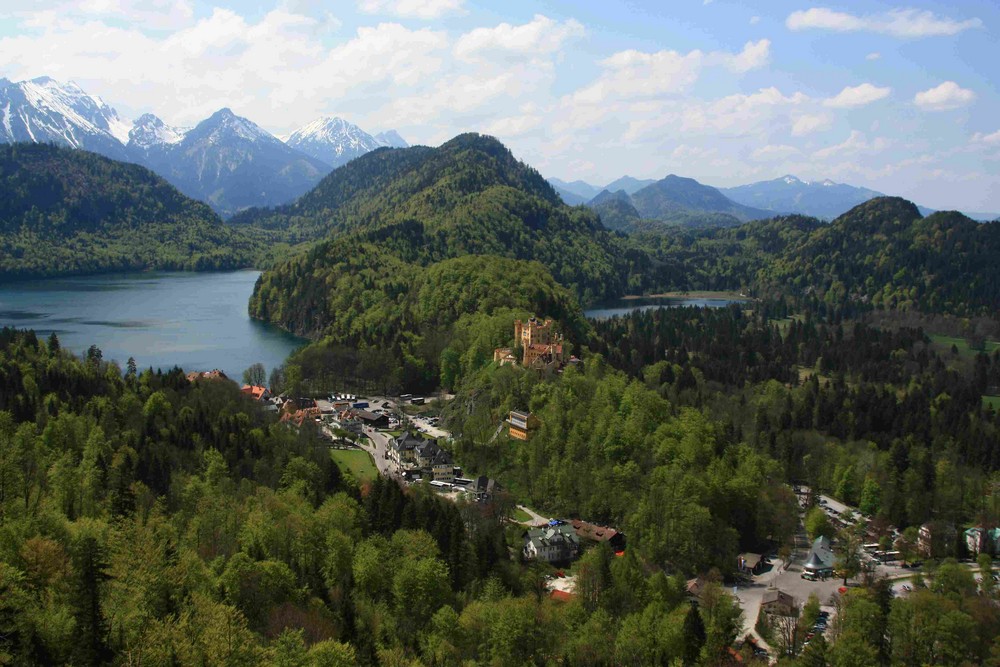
[{"x": 521, "y": 425}]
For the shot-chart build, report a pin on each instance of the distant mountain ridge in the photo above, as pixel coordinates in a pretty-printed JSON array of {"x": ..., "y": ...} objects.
[
  {"x": 673, "y": 200},
  {"x": 788, "y": 194},
  {"x": 580, "y": 192},
  {"x": 227, "y": 161}
]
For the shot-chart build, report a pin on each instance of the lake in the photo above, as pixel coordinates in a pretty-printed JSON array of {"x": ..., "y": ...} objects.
[
  {"x": 626, "y": 306},
  {"x": 197, "y": 321}
]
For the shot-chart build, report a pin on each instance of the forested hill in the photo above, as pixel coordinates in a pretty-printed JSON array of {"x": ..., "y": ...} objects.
[
  {"x": 390, "y": 185},
  {"x": 467, "y": 218},
  {"x": 422, "y": 206},
  {"x": 68, "y": 211},
  {"x": 881, "y": 252},
  {"x": 884, "y": 252}
]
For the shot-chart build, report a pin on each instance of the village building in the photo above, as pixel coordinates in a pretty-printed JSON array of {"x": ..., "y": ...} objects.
[
  {"x": 595, "y": 533},
  {"x": 694, "y": 588},
  {"x": 751, "y": 563},
  {"x": 372, "y": 419},
  {"x": 402, "y": 450},
  {"x": 442, "y": 467},
  {"x": 485, "y": 488},
  {"x": 935, "y": 539},
  {"x": 779, "y": 603},
  {"x": 979, "y": 540},
  {"x": 214, "y": 374},
  {"x": 521, "y": 425},
  {"x": 551, "y": 544},
  {"x": 541, "y": 347},
  {"x": 819, "y": 564},
  {"x": 255, "y": 392}
]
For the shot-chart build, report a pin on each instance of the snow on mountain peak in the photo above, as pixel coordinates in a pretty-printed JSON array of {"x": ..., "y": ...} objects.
[
  {"x": 44, "y": 109},
  {"x": 224, "y": 122},
  {"x": 148, "y": 130},
  {"x": 828, "y": 183},
  {"x": 392, "y": 139},
  {"x": 332, "y": 140}
]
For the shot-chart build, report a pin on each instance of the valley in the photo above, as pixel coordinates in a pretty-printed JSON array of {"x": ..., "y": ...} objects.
[{"x": 706, "y": 396}]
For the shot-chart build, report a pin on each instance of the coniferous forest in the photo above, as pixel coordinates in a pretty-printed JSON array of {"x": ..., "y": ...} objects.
[{"x": 148, "y": 519}]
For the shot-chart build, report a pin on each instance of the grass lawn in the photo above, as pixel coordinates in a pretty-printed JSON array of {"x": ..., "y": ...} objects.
[
  {"x": 393, "y": 434},
  {"x": 993, "y": 401},
  {"x": 962, "y": 344},
  {"x": 356, "y": 462},
  {"x": 521, "y": 515}
]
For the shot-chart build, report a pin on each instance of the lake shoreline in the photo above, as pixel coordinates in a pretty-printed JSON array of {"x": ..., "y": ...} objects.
[{"x": 695, "y": 294}]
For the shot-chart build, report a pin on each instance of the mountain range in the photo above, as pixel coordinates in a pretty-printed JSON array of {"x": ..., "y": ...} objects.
[
  {"x": 788, "y": 194},
  {"x": 780, "y": 196},
  {"x": 227, "y": 161},
  {"x": 673, "y": 200}
]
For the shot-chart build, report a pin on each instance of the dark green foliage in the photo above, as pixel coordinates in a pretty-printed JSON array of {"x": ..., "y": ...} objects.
[
  {"x": 66, "y": 211},
  {"x": 879, "y": 254},
  {"x": 468, "y": 197},
  {"x": 386, "y": 323}
]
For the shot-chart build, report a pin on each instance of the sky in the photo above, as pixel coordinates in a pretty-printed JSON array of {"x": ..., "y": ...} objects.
[{"x": 901, "y": 98}]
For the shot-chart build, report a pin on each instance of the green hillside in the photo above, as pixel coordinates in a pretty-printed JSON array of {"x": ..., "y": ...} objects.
[
  {"x": 468, "y": 197},
  {"x": 884, "y": 253},
  {"x": 65, "y": 211},
  {"x": 881, "y": 253}
]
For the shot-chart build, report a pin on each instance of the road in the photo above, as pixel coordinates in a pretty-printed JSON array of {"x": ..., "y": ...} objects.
[
  {"x": 536, "y": 519},
  {"x": 377, "y": 444}
]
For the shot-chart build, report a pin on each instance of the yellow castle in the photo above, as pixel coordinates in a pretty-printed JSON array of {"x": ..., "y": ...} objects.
[{"x": 543, "y": 348}]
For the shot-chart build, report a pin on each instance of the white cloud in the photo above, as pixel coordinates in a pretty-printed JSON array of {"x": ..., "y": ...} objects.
[
  {"x": 277, "y": 69},
  {"x": 992, "y": 139},
  {"x": 739, "y": 114},
  {"x": 753, "y": 56},
  {"x": 857, "y": 96},
  {"x": 949, "y": 95},
  {"x": 906, "y": 23},
  {"x": 152, "y": 14},
  {"x": 634, "y": 74},
  {"x": 421, "y": 9},
  {"x": 754, "y": 20},
  {"x": 809, "y": 123},
  {"x": 854, "y": 144},
  {"x": 541, "y": 36},
  {"x": 874, "y": 55},
  {"x": 513, "y": 126},
  {"x": 771, "y": 152}
]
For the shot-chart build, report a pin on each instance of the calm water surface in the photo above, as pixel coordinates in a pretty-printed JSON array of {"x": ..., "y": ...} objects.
[
  {"x": 626, "y": 306},
  {"x": 197, "y": 321}
]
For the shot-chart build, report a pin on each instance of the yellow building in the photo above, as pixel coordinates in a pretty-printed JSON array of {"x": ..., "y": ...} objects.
[{"x": 522, "y": 424}]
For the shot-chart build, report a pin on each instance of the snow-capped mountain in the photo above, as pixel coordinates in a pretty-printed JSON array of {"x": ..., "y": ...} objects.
[
  {"x": 148, "y": 131},
  {"x": 788, "y": 194},
  {"x": 335, "y": 141},
  {"x": 44, "y": 110},
  {"x": 391, "y": 139},
  {"x": 227, "y": 161}
]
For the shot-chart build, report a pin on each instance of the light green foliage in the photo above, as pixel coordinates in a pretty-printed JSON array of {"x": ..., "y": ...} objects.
[
  {"x": 419, "y": 587},
  {"x": 818, "y": 524}
]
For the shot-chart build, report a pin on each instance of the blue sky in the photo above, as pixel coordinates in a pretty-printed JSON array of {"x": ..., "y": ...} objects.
[{"x": 897, "y": 97}]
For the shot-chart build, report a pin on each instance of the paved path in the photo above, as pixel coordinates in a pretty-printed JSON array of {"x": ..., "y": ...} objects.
[{"x": 536, "y": 518}]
